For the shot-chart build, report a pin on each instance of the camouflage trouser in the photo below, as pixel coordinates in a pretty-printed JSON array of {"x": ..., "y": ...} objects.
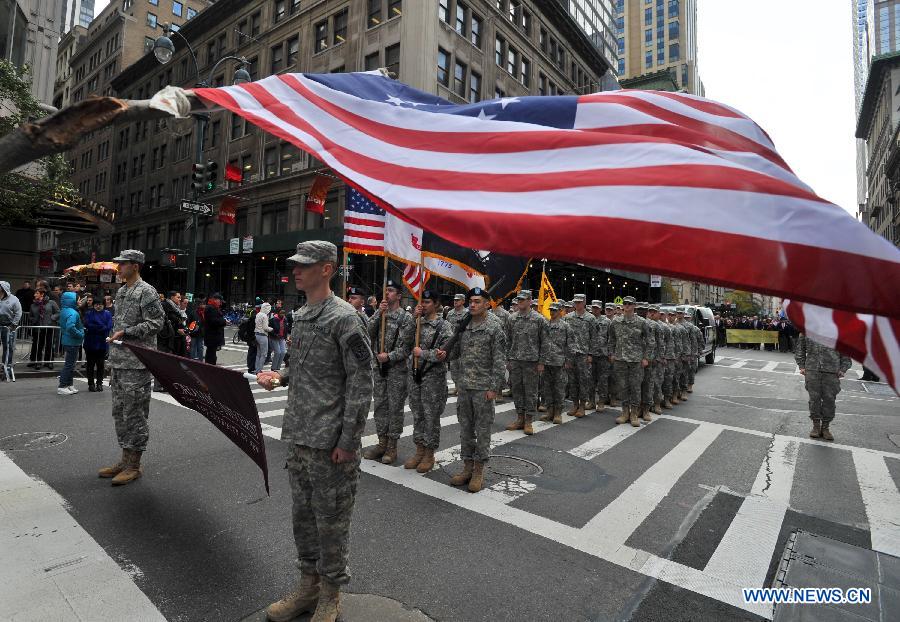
[
  {"x": 454, "y": 372},
  {"x": 600, "y": 372},
  {"x": 629, "y": 376},
  {"x": 390, "y": 398},
  {"x": 691, "y": 369},
  {"x": 647, "y": 384},
  {"x": 614, "y": 382},
  {"x": 476, "y": 414},
  {"x": 131, "y": 389},
  {"x": 554, "y": 380},
  {"x": 322, "y": 493},
  {"x": 523, "y": 377},
  {"x": 668, "y": 387},
  {"x": 659, "y": 372},
  {"x": 682, "y": 374},
  {"x": 582, "y": 382},
  {"x": 823, "y": 388},
  {"x": 427, "y": 402}
]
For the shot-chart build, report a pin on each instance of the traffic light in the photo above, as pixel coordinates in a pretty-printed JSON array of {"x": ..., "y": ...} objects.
[
  {"x": 198, "y": 178},
  {"x": 212, "y": 170},
  {"x": 168, "y": 259}
]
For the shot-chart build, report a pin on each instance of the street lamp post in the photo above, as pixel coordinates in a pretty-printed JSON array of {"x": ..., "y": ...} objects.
[{"x": 163, "y": 49}]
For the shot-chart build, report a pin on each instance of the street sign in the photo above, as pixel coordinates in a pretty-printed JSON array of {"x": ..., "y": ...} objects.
[
  {"x": 192, "y": 207},
  {"x": 655, "y": 280},
  {"x": 618, "y": 300},
  {"x": 234, "y": 246},
  {"x": 247, "y": 244}
]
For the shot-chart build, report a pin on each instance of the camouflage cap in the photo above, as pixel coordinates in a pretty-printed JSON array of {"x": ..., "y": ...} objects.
[
  {"x": 314, "y": 251},
  {"x": 130, "y": 255},
  {"x": 596, "y": 303},
  {"x": 654, "y": 307},
  {"x": 555, "y": 306},
  {"x": 618, "y": 306},
  {"x": 459, "y": 297},
  {"x": 534, "y": 303},
  {"x": 569, "y": 305},
  {"x": 610, "y": 305},
  {"x": 628, "y": 300},
  {"x": 641, "y": 305},
  {"x": 524, "y": 294},
  {"x": 679, "y": 309},
  {"x": 579, "y": 298}
]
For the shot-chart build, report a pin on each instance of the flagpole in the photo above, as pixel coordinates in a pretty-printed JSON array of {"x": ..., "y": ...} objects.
[
  {"x": 344, "y": 272},
  {"x": 419, "y": 319},
  {"x": 384, "y": 281}
]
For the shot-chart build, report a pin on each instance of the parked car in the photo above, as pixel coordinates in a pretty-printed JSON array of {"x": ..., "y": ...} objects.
[{"x": 705, "y": 320}]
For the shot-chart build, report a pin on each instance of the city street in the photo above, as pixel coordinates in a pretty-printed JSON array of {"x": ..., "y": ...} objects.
[{"x": 581, "y": 521}]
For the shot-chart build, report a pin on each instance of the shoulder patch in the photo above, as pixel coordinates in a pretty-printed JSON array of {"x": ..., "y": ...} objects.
[{"x": 359, "y": 347}]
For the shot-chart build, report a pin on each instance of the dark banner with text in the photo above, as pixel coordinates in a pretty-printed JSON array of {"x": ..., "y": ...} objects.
[{"x": 221, "y": 395}]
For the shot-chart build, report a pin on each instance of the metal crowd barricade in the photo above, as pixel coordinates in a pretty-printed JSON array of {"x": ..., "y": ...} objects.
[{"x": 37, "y": 346}]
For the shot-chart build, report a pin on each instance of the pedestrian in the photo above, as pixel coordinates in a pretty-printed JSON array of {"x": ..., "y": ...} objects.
[
  {"x": 427, "y": 379},
  {"x": 454, "y": 315},
  {"x": 25, "y": 295},
  {"x": 584, "y": 326},
  {"x": 213, "y": 328},
  {"x": 139, "y": 317},
  {"x": 822, "y": 368},
  {"x": 10, "y": 318},
  {"x": 481, "y": 350},
  {"x": 261, "y": 330},
  {"x": 171, "y": 338},
  {"x": 329, "y": 393},
  {"x": 630, "y": 342},
  {"x": 560, "y": 356},
  {"x": 280, "y": 325},
  {"x": 71, "y": 336},
  {"x": 98, "y": 323},
  {"x": 528, "y": 335},
  {"x": 390, "y": 379},
  {"x": 44, "y": 315},
  {"x": 109, "y": 304},
  {"x": 195, "y": 327}
]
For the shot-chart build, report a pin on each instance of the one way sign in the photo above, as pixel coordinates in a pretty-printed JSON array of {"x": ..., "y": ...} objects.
[{"x": 201, "y": 209}]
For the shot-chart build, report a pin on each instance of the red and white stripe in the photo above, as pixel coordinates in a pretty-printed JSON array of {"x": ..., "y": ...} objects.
[
  {"x": 650, "y": 182},
  {"x": 414, "y": 279},
  {"x": 364, "y": 233}
]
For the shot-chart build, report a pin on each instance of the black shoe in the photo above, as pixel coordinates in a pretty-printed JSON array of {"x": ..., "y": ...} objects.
[
  {"x": 100, "y": 388},
  {"x": 91, "y": 387},
  {"x": 48, "y": 365}
]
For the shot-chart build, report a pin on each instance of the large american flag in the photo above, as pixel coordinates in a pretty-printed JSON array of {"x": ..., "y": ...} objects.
[{"x": 665, "y": 183}]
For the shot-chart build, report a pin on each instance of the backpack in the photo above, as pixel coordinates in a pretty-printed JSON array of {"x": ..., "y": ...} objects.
[{"x": 245, "y": 330}]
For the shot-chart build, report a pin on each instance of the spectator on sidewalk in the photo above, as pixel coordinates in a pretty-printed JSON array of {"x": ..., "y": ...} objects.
[
  {"x": 25, "y": 295},
  {"x": 10, "y": 318},
  {"x": 195, "y": 326},
  {"x": 171, "y": 338},
  {"x": 213, "y": 327},
  {"x": 261, "y": 330},
  {"x": 281, "y": 329},
  {"x": 71, "y": 335},
  {"x": 98, "y": 323},
  {"x": 44, "y": 313}
]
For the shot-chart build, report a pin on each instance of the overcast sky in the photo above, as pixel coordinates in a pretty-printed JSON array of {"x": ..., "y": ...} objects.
[{"x": 788, "y": 64}]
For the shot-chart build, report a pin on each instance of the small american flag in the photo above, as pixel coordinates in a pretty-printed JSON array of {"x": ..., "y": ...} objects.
[
  {"x": 414, "y": 279},
  {"x": 363, "y": 225}
]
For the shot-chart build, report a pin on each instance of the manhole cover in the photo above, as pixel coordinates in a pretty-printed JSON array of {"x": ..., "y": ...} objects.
[
  {"x": 878, "y": 389},
  {"x": 31, "y": 440},
  {"x": 512, "y": 466}
]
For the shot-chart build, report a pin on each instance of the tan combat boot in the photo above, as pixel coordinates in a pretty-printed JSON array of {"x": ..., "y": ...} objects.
[
  {"x": 390, "y": 454},
  {"x": 667, "y": 404},
  {"x": 375, "y": 453},
  {"x": 826, "y": 433},
  {"x": 329, "y": 607},
  {"x": 623, "y": 418},
  {"x": 589, "y": 405},
  {"x": 518, "y": 424},
  {"x": 427, "y": 462},
  {"x": 301, "y": 600},
  {"x": 599, "y": 406},
  {"x": 615, "y": 403},
  {"x": 574, "y": 409},
  {"x": 413, "y": 461},
  {"x": 633, "y": 414},
  {"x": 557, "y": 415},
  {"x": 682, "y": 397},
  {"x": 579, "y": 411},
  {"x": 674, "y": 401},
  {"x": 657, "y": 408},
  {"x": 112, "y": 471},
  {"x": 132, "y": 469},
  {"x": 645, "y": 415},
  {"x": 816, "y": 431},
  {"x": 690, "y": 388},
  {"x": 463, "y": 476},
  {"x": 541, "y": 408},
  {"x": 527, "y": 428},
  {"x": 548, "y": 416},
  {"x": 477, "y": 480}
]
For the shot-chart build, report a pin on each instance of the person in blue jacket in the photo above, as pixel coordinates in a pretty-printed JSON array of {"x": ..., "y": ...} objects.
[
  {"x": 71, "y": 335},
  {"x": 98, "y": 323}
]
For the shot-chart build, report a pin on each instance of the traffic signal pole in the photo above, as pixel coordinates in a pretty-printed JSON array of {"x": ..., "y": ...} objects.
[{"x": 192, "y": 261}]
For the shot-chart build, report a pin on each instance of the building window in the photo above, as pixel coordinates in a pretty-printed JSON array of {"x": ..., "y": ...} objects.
[
  {"x": 191, "y": 13},
  {"x": 270, "y": 168},
  {"x": 459, "y": 79},
  {"x": 475, "y": 30},
  {"x": 392, "y": 58},
  {"x": 673, "y": 8},
  {"x": 648, "y": 36},
  {"x": 291, "y": 159},
  {"x": 151, "y": 20},
  {"x": 293, "y": 50},
  {"x": 648, "y": 17},
  {"x": 526, "y": 72},
  {"x": 373, "y": 61},
  {"x": 253, "y": 68},
  {"x": 499, "y": 93},
  {"x": 279, "y": 11},
  {"x": 321, "y": 30},
  {"x": 674, "y": 30},
  {"x": 340, "y": 27},
  {"x": 474, "y": 86},
  {"x": 512, "y": 61},
  {"x": 237, "y": 126},
  {"x": 648, "y": 59},
  {"x": 254, "y": 24},
  {"x": 395, "y": 8},
  {"x": 274, "y": 218},
  {"x": 444, "y": 11},
  {"x": 277, "y": 59},
  {"x": 374, "y": 13},
  {"x": 461, "y": 21},
  {"x": 542, "y": 84},
  {"x": 499, "y": 44},
  {"x": 443, "y": 72},
  {"x": 674, "y": 52},
  {"x": 177, "y": 8}
]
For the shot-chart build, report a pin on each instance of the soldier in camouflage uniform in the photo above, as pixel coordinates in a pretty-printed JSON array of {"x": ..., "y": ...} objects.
[
  {"x": 390, "y": 374},
  {"x": 583, "y": 328},
  {"x": 663, "y": 337},
  {"x": 600, "y": 366},
  {"x": 823, "y": 368},
  {"x": 481, "y": 350},
  {"x": 683, "y": 333},
  {"x": 673, "y": 346},
  {"x": 630, "y": 341},
  {"x": 696, "y": 342},
  {"x": 139, "y": 317},
  {"x": 454, "y": 315},
  {"x": 329, "y": 391},
  {"x": 643, "y": 309},
  {"x": 528, "y": 334},
  {"x": 560, "y": 355},
  {"x": 428, "y": 395},
  {"x": 356, "y": 296}
]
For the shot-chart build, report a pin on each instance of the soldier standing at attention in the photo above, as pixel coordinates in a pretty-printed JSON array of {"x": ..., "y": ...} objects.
[
  {"x": 481, "y": 350},
  {"x": 630, "y": 341},
  {"x": 583, "y": 327},
  {"x": 528, "y": 336},
  {"x": 684, "y": 333},
  {"x": 428, "y": 394},
  {"x": 559, "y": 359},
  {"x": 647, "y": 380},
  {"x": 454, "y": 315},
  {"x": 823, "y": 368},
  {"x": 659, "y": 370},
  {"x": 357, "y": 299},
  {"x": 390, "y": 374},
  {"x": 696, "y": 342},
  {"x": 329, "y": 391},
  {"x": 600, "y": 366},
  {"x": 672, "y": 354},
  {"x": 138, "y": 318},
  {"x": 612, "y": 382}
]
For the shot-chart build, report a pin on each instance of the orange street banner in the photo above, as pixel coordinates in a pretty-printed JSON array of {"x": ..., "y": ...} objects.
[{"x": 315, "y": 202}]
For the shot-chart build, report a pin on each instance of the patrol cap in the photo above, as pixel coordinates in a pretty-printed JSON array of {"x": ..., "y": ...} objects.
[
  {"x": 524, "y": 294},
  {"x": 459, "y": 297},
  {"x": 314, "y": 251},
  {"x": 130, "y": 255},
  {"x": 654, "y": 307},
  {"x": 641, "y": 305},
  {"x": 430, "y": 295},
  {"x": 477, "y": 291},
  {"x": 628, "y": 300},
  {"x": 569, "y": 305},
  {"x": 618, "y": 306},
  {"x": 579, "y": 298},
  {"x": 679, "y": 309},
  {"x": 391, "y": 283},
  {"x": 597, "y": 303},
  {"x": 534, "y": 303},
  {"x": 355, "y": 291},
  {"x": 610, "y": 305},
  {"x": 555, "y": 306}
]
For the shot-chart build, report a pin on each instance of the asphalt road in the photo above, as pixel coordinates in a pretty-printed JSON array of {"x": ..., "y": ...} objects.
[{"x": 582, "y": 521}]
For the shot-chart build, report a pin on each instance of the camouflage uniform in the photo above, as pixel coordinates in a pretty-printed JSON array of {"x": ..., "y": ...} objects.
[
  {"x": 601, "y": 367},
  {"x": 670, "y": 358},
  {"x": 695, "y": 338},
  {"x": 390, "y": 389},
  {"x": 682, "y": 351},
  {"x": 481, "y": 350},
  {"x": 453, "y": 317},
  {"x": 823, "y": 367},
  {"x": 528, "y": 336},
  {"x": 630, "y": 341},
  {"x": 652, "y": 354},
  {"x": 140, "y": 314},
  {"x": 559, "y": 353},
  {"x": 659, "y": 365},
  {"x": 428, "y": 399},
  {"x": 583, "y": 329},
  {"x": 329, "y": 391}
]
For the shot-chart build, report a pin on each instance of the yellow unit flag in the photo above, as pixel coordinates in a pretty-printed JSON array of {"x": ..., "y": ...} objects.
[{"x": 546, "y": 295}]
